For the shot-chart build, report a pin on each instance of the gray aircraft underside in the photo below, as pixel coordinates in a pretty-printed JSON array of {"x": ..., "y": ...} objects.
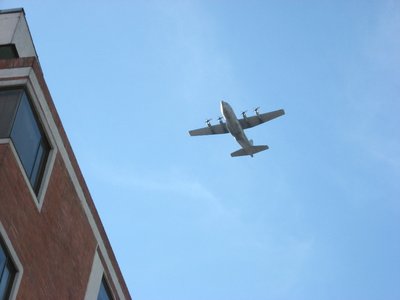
[{"x": 236, "y": 127}]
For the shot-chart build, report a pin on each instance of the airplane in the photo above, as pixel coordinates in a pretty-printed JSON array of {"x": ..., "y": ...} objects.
[{"x": 236, "y": 127}]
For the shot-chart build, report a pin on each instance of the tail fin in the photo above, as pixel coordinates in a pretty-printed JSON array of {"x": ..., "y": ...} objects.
[{"x": 249, "y": 150}]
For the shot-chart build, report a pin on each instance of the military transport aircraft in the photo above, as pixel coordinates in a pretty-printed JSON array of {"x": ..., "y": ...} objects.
[{"x": 236, "y": 126}]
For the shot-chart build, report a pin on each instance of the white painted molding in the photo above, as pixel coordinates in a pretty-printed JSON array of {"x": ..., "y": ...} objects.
[{"x": 96, "y": 275}]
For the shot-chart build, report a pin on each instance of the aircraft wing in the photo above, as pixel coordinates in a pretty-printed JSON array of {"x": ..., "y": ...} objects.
[
  {"x": 258, "y": 119},
  {"x": 212, "y": 129}
]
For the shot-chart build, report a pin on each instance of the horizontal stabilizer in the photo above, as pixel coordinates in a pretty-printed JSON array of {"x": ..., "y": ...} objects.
[{"x": 249, "y": 150}]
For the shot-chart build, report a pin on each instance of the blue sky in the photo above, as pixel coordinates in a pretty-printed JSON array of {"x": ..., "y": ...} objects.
[{"x": 317, "y": 216}]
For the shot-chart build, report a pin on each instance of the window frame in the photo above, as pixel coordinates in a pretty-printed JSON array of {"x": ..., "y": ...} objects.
[
  {"x": 97, "y": 276},
  {"x": 106, "y": 286},
  {"x": 38, "y": 166},
  {"x": 12, "y": 256},
  {"x": 37, "y": 101},
  {"x": 9, "y": 266}
]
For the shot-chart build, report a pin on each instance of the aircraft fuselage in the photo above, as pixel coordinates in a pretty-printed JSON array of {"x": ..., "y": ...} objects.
[
  {"x": 233, "y": 125},
  {"x": 236, "y": 127}
]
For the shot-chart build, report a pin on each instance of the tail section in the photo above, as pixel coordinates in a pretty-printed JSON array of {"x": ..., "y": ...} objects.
[{"x": 249, "y": 150}]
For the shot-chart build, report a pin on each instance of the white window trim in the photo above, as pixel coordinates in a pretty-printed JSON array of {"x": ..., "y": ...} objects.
[
  {"x": 37, "y": 100},
  {"x": 95, "y": 279},
  {"x": 17, "y": 264},
  {"x": 39, "y": 198},
  {"x": 96, "y": 275}
]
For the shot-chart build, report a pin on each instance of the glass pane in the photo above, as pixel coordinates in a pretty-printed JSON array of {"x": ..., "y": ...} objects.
[
  {"x": 36, "y": 166},
  {"x": 2, "y": 259},
  {"x": 4, "y": 280},
  {"x": 8, "y": 51},
  {"x": 9, "y": 100},
  {"x": 26, "y": 135},
  {"x": 39, "y": 165},
  {"x": 104, "y": 293}
]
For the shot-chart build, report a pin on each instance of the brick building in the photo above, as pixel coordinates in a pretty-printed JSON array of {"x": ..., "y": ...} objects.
[{"x": 52, "y": 242}]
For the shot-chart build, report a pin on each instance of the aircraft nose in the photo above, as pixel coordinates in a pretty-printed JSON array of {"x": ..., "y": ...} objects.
[{"x": 223, "y": 105}]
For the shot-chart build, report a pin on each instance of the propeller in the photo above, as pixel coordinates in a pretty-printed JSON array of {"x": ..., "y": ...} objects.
[
  {"x": 220, "y": 119},
  {"x": 256, "y": 110},
  {"x": 208, "y": 122},
  {"x": 244, "y": 113}
]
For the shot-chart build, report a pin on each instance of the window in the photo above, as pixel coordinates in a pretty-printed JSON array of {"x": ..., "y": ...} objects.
[
  {"x": 8, "y": 51},
  {"x": 104, "y": 292},
  {"x": 19, "y": 122},
  {"x": 7, "y": 272}
]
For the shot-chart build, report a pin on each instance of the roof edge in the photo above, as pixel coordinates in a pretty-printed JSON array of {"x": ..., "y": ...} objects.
[{"x": 12, "y": 10}]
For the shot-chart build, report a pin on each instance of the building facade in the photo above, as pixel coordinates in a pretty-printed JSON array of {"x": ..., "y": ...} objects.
[{"x": 52, "y": 242}]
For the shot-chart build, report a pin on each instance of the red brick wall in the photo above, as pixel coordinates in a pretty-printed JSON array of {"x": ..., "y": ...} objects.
[
  {"x": 55, "y": 246},
  {"x": 61, "y": 230}
]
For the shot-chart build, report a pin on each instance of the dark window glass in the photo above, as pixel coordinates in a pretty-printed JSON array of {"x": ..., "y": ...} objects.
[
  {"x": 40, "y": 162},
  {"x": 104, "y": 292},
  {"x": 7, "y": 273},
  {"x": 26, "y": 133},
  {"x": 9, "y": 101},
  {"x": 2, "y": 259},
  {"x": 4, "y": 283},
  {"x": 8, "y": 51}
]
